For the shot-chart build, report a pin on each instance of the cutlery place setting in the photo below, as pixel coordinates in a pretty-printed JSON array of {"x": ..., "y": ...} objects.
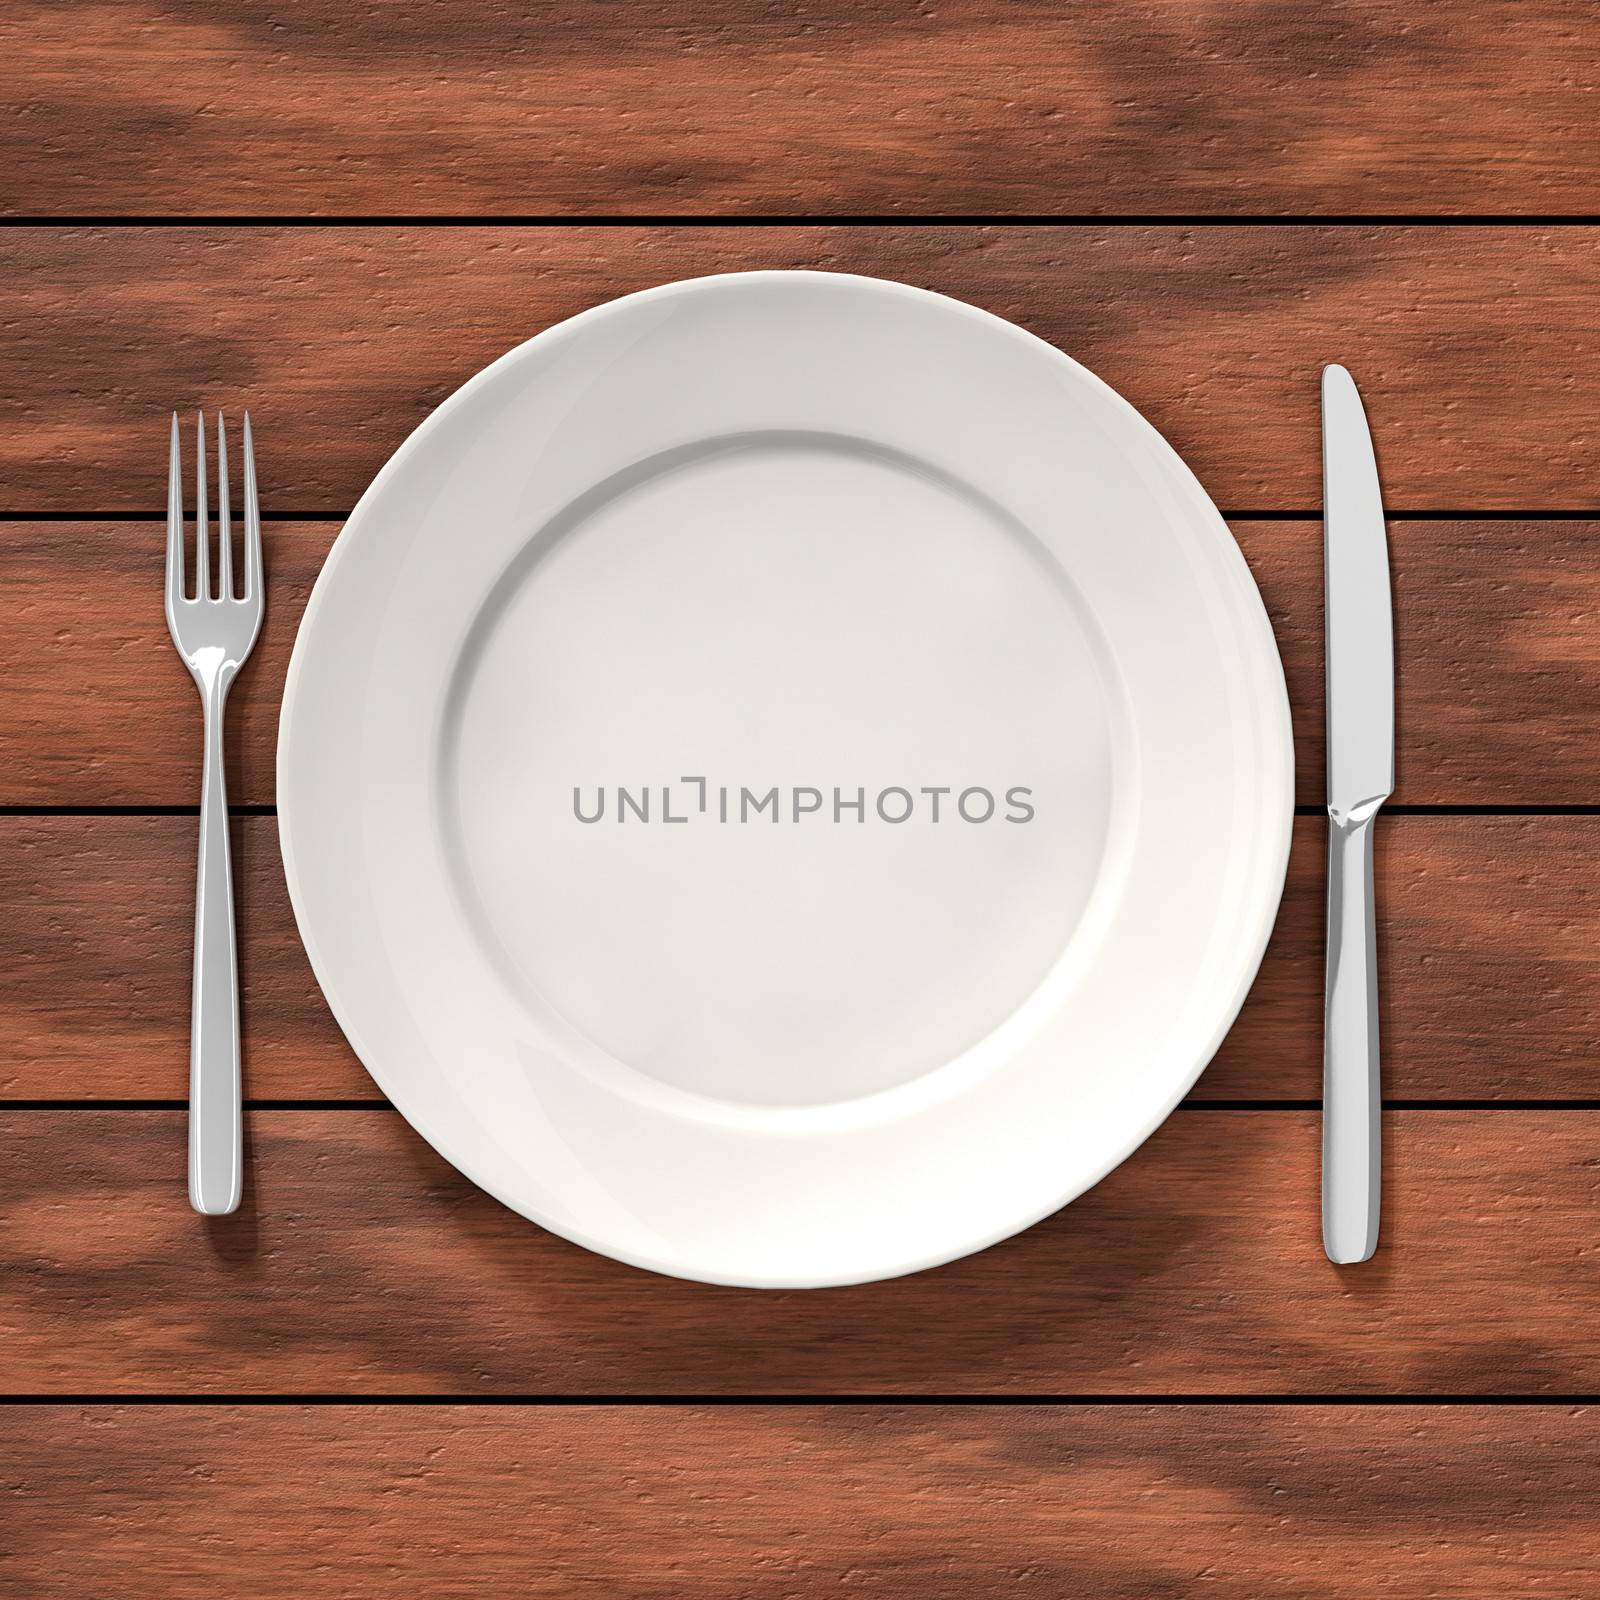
[
  {"x": 785, "y": 779},
  {"x": 866, "y": 786}
]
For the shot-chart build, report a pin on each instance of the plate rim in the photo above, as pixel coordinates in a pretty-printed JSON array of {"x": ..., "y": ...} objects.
[{"x": 1278, "y": 741}]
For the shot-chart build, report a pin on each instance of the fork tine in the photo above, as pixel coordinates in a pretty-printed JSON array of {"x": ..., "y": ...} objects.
[
  {"x": 202, "y": 525},
  {"x": 174, "y": 520},
  {"x": 252, "y": 520},
  {"x": 224, "y": 524}
]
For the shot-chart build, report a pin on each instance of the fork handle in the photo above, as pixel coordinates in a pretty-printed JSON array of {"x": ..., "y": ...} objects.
[
  {"x": 1352, "y": 1139},
  {"x": 216, "y": 1130}
]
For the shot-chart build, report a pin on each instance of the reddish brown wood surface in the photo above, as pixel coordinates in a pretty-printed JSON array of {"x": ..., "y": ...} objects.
[
  {"x": 1499, "y": 661},
  {"x": 916, "y": 1503},
  {"x": 1490, "y": 942},
  {"x": 1475, "y": 347},
  {"x": 760, "y": 107},
  {"x": 361, "y": 1263}
]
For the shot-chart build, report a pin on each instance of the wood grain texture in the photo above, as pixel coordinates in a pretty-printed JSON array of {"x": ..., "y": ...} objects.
[
  {"x": 361, "y": 1263},
  {"x": 917, "y": 1503},
  {"x": 1476, "y": 348},
  {"x": 1490, "y": 950},
  {"x": 1499, "y": 662},
  {"x": 236, "y": 106}
]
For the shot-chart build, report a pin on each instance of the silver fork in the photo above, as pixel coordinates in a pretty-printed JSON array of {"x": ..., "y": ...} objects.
[{"x": 214, "y": 633}]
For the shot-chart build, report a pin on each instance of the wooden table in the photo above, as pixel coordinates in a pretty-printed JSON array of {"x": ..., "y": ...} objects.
[{"x": 336, "y": 214}]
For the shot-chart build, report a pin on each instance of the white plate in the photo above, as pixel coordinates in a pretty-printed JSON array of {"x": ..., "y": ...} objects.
[{"x": 804, "y": 532}]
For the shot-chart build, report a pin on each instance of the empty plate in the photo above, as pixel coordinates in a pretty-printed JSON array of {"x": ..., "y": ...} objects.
[{"x": 785, "y": 779}]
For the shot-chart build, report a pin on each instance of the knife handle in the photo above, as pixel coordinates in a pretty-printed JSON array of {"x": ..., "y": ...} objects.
[{"x": 1352, "y": 1138}]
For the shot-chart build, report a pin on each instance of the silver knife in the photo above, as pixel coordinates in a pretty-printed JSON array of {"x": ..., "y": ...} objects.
[{"x": 1360, "y": 630}]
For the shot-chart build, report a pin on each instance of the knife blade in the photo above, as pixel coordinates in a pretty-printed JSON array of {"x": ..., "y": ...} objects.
[{"x": 1360, "y": 762}]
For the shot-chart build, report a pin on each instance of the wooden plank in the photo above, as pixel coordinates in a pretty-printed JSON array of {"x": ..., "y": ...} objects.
[
  {"x": 1490, "y": 948},
  {"x": 917, "y": 1502},
  {"x": 362, "y": 1264},
  {"x": 1470, "y": 343},
  {"x": 1499, "y": 662},
  {"x": 99, "y": 710},
  {"x": 1470, "y": 105},
  {"x": 96, "y": 930}
]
